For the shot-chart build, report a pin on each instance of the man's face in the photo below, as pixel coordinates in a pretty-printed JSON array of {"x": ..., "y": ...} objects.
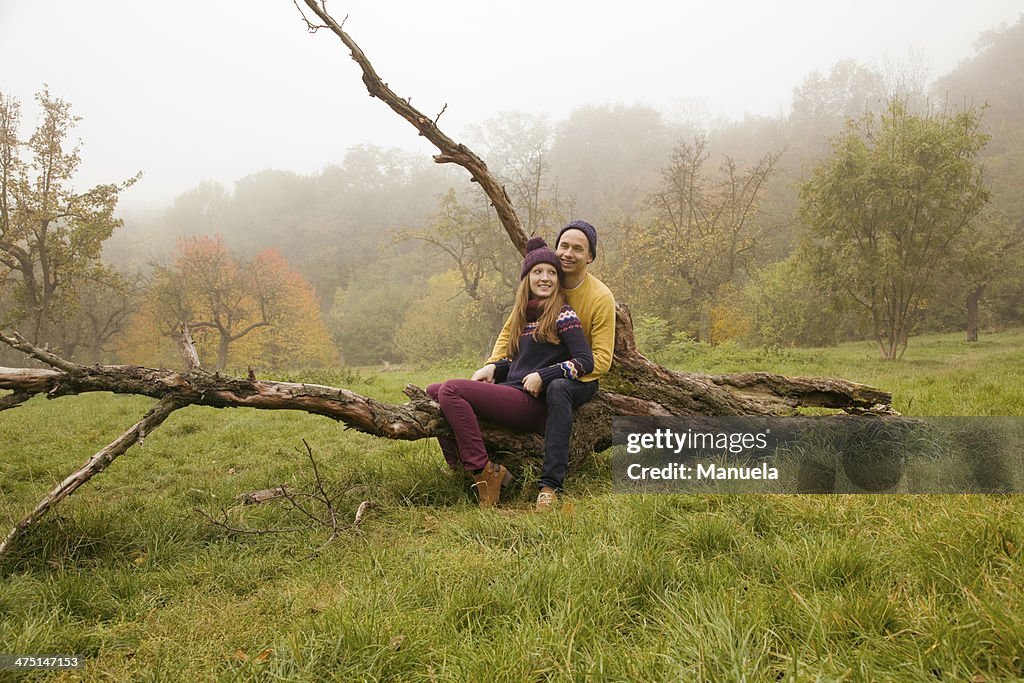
[{"x": 573, "y": 251}]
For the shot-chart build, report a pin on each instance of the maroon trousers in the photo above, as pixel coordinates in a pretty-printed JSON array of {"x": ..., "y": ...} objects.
[{"x": 463, "y": 401}]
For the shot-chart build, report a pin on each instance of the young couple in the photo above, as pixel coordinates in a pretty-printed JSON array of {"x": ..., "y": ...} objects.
[{"x": 558, "y": 340}]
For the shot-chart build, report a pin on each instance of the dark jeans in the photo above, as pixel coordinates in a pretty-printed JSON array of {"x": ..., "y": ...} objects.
[
  {"x": 563, "y": 396},
  {"x": 462, "y": 401}
]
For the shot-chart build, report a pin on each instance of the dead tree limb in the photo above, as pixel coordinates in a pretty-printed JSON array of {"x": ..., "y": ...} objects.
[
  {"x": 96, "y": 464},
  {"x": 637, "y": 387},
  {"x": 652, "y": 390},
  {"x": 188, "y": 349},
  {"x": 450, "y": 151}
]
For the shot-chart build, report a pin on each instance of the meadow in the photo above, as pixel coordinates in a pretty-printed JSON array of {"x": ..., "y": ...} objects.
[{"x": 428, "y": 587}]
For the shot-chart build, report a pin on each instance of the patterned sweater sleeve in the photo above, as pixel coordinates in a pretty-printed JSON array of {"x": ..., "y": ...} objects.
[{"x": 581, "y": 360}]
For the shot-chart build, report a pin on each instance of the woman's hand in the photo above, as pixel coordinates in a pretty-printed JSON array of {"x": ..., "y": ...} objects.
[
  {"x": 484, "y": 374},
  {"x": 533, "y": 384}
]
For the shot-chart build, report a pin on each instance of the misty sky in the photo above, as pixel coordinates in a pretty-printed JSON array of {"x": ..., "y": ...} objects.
[{"x": 187, "y": 90}]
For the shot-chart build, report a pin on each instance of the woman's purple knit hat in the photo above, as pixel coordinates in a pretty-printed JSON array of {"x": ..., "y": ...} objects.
[{"x": 538, "y": 251}]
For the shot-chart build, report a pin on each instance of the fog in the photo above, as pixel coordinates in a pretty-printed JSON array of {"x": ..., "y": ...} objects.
[{"x": 203, "y": 89}]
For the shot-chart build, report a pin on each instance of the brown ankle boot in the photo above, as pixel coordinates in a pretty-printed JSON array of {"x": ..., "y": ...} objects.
[{"x": 489, "y": 482}]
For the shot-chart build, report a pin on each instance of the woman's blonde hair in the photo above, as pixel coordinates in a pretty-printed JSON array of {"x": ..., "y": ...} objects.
[{"x": 547, "y": 323}]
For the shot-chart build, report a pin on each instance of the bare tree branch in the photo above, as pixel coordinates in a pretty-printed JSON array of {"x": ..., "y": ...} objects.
[
  {"x": 96, "y": 464},
  {"x": 310, "y": 26},
  {"x": 224, "y": 524},
  {"x": 450, "y": 151},
  {"x": 16, "y": 341},
  {"x": 320, "y": 487}
]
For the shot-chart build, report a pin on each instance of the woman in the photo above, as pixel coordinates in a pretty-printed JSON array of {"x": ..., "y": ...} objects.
[{"x": 510, "y": 392}]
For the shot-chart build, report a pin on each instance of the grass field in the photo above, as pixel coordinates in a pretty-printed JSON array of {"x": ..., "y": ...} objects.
[{"x": 429, "y": 588}]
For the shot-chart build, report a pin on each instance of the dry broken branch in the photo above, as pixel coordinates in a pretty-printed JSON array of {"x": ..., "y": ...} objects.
[
  {"x": 361, "y": 513},
  {"x": 96, "y": 464},
  {"x": 328, "y": 519},
  {"x": 188, "y": 349},
  {"x": 450, "y": 151}
]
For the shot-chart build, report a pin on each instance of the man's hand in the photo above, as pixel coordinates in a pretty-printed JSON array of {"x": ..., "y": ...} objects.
[
  {"x": 533, "y": 384},
  {"x": 484, "y": 374}
]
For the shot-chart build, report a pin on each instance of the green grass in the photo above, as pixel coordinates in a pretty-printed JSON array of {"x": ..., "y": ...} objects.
[
  {"x": 630, "y": 588},
  {"x": 938, "y": 375}
]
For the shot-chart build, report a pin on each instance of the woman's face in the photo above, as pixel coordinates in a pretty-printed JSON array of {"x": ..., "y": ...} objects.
[{"x": 543, "y": 281}]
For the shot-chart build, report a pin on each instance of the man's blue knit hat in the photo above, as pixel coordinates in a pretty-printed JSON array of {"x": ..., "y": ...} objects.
[{"x": 584, "y": 227}]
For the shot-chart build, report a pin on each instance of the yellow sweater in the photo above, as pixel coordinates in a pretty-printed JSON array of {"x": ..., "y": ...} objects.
[{"x": 595, "y": 306}]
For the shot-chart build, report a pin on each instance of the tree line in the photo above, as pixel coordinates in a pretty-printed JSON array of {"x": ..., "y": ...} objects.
[{"x": 879, "y": 207}]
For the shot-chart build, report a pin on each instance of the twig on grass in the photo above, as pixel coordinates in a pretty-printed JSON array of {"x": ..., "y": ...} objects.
[
  {"x": 327, "y": 519},
  {"x": 224, "y": 524},
  {"x": 360, "y": 513}
]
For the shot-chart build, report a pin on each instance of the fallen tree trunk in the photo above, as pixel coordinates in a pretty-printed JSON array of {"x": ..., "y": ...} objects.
[
  {"x": 635, "y": 386},
  {"x": 652, "y": 390}
]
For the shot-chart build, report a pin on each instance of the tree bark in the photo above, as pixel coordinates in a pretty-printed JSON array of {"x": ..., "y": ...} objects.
[{"x": 635, "y": 386}]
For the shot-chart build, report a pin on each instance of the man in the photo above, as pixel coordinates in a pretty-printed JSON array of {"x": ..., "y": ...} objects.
[{"x": 593, "y": 302}]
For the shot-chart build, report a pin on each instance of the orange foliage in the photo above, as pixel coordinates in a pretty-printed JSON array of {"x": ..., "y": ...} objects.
[{"x": 256, "y": 312}]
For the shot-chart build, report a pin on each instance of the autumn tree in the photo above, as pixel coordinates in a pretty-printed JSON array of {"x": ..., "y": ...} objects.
[
  {"x": 50, "y": 235},
  {"x": 222, "y": 297},
  {"x": 299, "y": 336},
  {"x": 107, "y": 300},
  {"x": 704, "y": 235},
  {"x": 888, "y": 210}
]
